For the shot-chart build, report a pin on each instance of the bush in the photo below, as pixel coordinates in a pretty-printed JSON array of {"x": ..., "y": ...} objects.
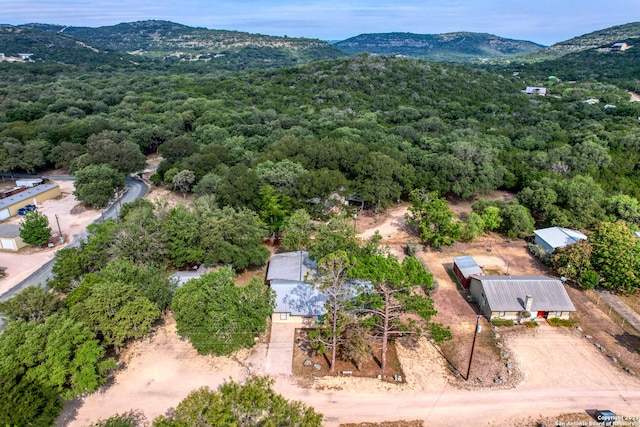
[
  {"x": 502, "y": 322},
  {"x": 531, "y": 324},
  {"x": 539, "y": 252},
  {"x": 556, "y": 321}
]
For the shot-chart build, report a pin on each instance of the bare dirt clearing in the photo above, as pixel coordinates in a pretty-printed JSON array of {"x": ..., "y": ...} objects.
[
  {"x": 73, "y": 218},
  {"x": 161, "y": 371}
]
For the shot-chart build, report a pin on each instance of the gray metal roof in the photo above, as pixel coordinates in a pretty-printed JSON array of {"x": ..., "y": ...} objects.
[
  {"x": 467, "y": 265},
  {"x": 298, "y": 299},
  {"x": 508, "y": 293},
  {"x": 184, "y": 276},
  {"x": 558, "y": 237},
  {"x": 293, "y": 266},
  {"x": 9, "y": 231},
  {"x": 25, "y": 195}
]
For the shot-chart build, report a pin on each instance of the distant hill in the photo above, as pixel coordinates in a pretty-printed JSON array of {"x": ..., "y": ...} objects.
[
  {"x": 459, "y": 46},
  {"x": 600, "y": 38},
  {"x": 171, "y": 41},
  {"x": 54, "y": 47}
]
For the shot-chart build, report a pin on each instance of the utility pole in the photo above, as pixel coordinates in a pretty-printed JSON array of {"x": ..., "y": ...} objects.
[
  {"x": 473, "y": 344},
  {"x": 59, "y": 229}
]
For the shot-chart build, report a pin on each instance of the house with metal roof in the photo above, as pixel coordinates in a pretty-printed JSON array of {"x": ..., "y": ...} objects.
[
  {"x": 530, "y": 90},
  {"x": 464, "y": 267},
  {"x": 553, "y": 238},
  {"x": 521, "y": 297},
  {"x": 288, "y": 274},
  {"x": 31, "y": 196},
  {"x": 10, "y": 237}
]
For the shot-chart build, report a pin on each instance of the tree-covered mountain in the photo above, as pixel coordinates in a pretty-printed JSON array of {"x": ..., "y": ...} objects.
[
  {"x": 55, "y": 47},
  {"x": 175, "y": 42},
  {"x": 601, "y": 38},
  {"x": 594, "y": 64},
  {"x": 459, "y": 46}
]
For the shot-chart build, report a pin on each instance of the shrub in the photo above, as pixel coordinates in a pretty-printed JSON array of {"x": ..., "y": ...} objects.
[
  {"x": 502, "y": 322},
  {"x": 556, "y": 321},
  {"x": 531, "y": 324},
  {"x": 539, "y": 252}
]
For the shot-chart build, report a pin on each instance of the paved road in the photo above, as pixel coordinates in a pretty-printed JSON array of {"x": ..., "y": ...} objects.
[
  {"x": 136, "y": 188},
  {"x": 621, "y": 308}
]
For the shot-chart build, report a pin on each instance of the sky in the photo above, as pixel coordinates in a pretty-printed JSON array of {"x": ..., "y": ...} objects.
[{"x": 541, "y": 21}]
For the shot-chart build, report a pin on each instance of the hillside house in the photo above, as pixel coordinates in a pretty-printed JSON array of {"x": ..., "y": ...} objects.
[
  {"x": 288, "y": 275},
  {"x": 31, "y": 196},
  {"x": 591, "y": 101},
  {"x": 619, "y": 47},
  {"x": 515, "y": 297},
  {"x": 10, "y": 237},
  {"x": 553, "y": 238},
  {"x": 464, "y": 268},
  {"x": 530, "y": 90}
]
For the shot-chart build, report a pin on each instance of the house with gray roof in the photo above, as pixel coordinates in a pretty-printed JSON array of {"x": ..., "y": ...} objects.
[
  {"x": 513, "y": 297},
  {"x": 553, "y": 238},
  {"x": 288, "y": 274}
]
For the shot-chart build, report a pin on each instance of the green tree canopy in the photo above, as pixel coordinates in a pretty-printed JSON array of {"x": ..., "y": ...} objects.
[
  {"x": 219, "y": 317},
  {"x": 95, "y": 184},
  {"x": 253, "y": 403},
  {"x": 34, "y": 228},
  {"x": 32, "y": 304},
  {"x": 116, "y": 311},
  {"x": 60, "y": 353},
  {"x": 431, "y": 216},
  {"x": 616, "y": 256}
]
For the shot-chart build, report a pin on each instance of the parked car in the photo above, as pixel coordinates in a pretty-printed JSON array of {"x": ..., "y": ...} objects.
[
  {"x": 22, "y": 211},
  {"x": 30, "y": 208}
]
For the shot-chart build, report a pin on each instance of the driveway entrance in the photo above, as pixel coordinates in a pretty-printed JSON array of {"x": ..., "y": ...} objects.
[{"x": 280, "y": 349}]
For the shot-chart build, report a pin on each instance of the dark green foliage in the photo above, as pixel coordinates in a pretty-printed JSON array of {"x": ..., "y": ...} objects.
[
  {"x": 219, "y": 317},
  {"x": 252, "y": 404},
  {"x": 439, "y": 333},
  {"x": 96, "y": 184},
  {"x": 34, "y": 228},
  {"x": 116, "y": 311},
  {"x": 128, "y": 419},
  {"x": 337, "y": 235},
  {"x": 33, "y": 304},
  {"x": 67, "y": 269},
  {"x": 60, "y": 354},
  {"x": 433, "y": 220},
  {"x": 616, "y": 256},
  {"x": 26, "y": 402}
]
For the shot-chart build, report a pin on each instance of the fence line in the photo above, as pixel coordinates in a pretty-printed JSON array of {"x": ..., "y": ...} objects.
[{"x": 611, "y": 312}]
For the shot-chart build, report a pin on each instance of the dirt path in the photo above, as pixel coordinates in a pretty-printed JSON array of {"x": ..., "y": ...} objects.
[{"x": 634, "y": 97}]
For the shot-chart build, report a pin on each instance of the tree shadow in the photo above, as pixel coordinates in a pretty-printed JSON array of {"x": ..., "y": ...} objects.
[
  {"x": 629, "y": 341},
  {"x": 69, "y": 412}
]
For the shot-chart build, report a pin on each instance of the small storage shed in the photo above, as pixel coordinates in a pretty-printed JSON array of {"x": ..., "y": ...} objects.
[
  {"x": 508, "y": 297},
  {"x": 553, "y": 238},
  {"x": 464, "y": 267},
  {"x": 530, "y": 90},
  {"x": 10, "y": 237}
]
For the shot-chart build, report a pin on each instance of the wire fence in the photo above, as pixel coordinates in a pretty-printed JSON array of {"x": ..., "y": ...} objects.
[{"x": 616, "y": 317}]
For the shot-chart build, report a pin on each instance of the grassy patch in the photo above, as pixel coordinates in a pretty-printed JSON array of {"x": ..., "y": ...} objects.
[
  {"x": 556, "y": 321},
  {"x": 502, "y": 322}
]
